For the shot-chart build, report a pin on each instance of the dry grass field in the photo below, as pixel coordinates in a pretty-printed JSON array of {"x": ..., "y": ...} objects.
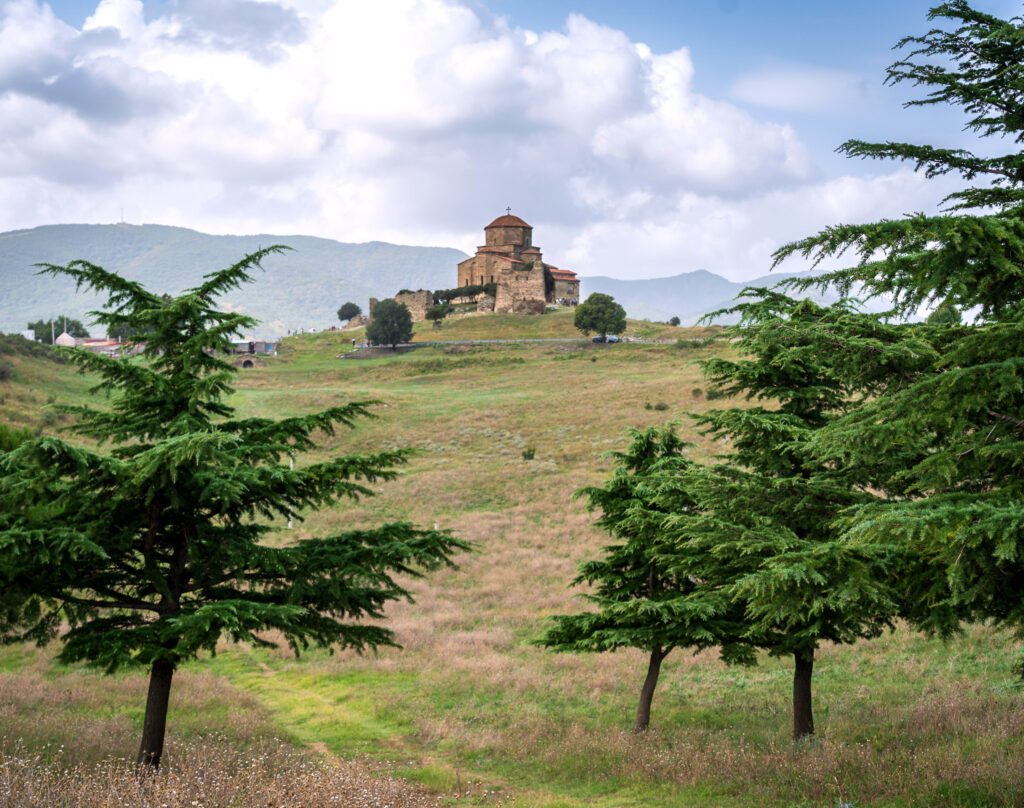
[{"x": 469, "y": 712}]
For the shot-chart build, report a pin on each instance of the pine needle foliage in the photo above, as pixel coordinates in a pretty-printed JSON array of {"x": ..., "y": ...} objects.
[
  {"x": 765, "y": 524},
  {"x": 152, "y": 551},
  {"x": 949, "y": 439},
  {"x": 645, "y": 594}
]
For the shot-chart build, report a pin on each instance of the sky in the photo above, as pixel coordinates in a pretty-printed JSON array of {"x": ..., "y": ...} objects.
[{"x": 639, "y": 139}]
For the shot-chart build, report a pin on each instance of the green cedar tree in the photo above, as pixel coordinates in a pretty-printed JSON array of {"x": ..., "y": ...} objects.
[
  {"x": 765, "y": 516},
  {"x": 153, "y": 551},
  {"x": 950, "y": 440},
  {"x": 644, "y": 590}
]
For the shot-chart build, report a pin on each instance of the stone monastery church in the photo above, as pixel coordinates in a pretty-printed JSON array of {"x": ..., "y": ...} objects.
[{"x": 510, "y": 260}]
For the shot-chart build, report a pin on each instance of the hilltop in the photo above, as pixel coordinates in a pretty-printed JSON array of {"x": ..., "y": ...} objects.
[{"x": 302, "y": 288}]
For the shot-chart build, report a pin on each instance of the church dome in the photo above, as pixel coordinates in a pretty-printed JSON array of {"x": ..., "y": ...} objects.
[{"x": 508, "y": 221}]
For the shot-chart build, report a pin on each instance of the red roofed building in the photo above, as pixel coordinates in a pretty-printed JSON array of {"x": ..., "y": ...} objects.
[{"x": 509, "y": 259}]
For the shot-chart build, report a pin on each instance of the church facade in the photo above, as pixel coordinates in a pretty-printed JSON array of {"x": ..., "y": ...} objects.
[{"x": 509, "y": 259}]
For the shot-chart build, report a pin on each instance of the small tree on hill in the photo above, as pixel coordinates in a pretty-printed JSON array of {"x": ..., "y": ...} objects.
[
  {"x": 674, "y": 321},
  {"x": 348, "y": 311},
  {"x": 601, "y": 314},
  {"x": 390, "y": 324},
  {"x": 645, "y": 590},
  {"x": 438, "y": 312},
  {"x": 153, "y": 552}
]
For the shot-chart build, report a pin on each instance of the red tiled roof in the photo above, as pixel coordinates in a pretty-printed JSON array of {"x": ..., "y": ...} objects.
[
  {"x": 563, "y": 274},
  {"x": 508, "y": 221}
]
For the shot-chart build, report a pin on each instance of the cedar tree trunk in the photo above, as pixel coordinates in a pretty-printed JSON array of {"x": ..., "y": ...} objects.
[
  {"x": 155, "y": 723},
  {"x": 803, "y": 718},
  {"x": 643, "y": 710}
]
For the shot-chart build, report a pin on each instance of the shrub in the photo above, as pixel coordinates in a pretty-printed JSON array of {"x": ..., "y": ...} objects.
[
  {"x": 5, "y": 371},
  {"x": 529, "y": 453},
  {"x": 11, "y": 437}
]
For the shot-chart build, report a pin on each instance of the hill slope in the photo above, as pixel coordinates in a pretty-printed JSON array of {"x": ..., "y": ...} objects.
[
  {"x": 301, "y": 289},
  {"x": 506, "y": 433}
]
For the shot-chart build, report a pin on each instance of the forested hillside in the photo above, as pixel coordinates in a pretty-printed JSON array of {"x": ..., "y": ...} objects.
[{"x": 302, "y": 288}]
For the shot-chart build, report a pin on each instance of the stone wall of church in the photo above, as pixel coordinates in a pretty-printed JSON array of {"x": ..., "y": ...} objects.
[
  {"x": 482, "y": 268},
  {"x": 521, "y": 291}
]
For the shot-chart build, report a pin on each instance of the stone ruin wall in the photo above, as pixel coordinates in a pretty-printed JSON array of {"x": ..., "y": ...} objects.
[{"x": 416, "y": 302}]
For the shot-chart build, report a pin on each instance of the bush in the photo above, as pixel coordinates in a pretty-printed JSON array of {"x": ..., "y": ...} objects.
[
  {"x": 697, "y": 392},
  {"x": 17, "y": 345},
  {"x": 11, "y": 437},
  {"x": 5, "y": 371},
  {"x": 529, "y": 453}
]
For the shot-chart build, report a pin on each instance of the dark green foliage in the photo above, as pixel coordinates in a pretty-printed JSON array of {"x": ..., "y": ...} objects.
[
  {"x": 601, "y": 314},
  {"x": 767, "y": 524},
  {"x": 438, "y": 311},
  {"x": 645, "y": 587},
  {"x": 5, "y": 371},
  {"x": 126, "y": 332},
  {"x": 391, "y": 323},
  {"x": 348, "y": 311},
  {"x": 674, "y": 321},
  {"x": 945, "y": 434},
  {"x": 152, "y": 551},
  {"x": 446, "y": 295},
  {"x": 47, "y": 330}
]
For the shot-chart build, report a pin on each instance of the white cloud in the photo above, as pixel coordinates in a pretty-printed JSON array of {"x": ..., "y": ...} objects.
[{"x": 413, "y": 121}]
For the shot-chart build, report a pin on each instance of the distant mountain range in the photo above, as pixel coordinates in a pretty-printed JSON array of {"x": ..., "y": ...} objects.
[
  {"x": 303, "y": 288},
  {"x": 688, "y": 296}
]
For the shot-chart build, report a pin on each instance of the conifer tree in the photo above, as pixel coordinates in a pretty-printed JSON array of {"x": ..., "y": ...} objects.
[
  {"x": 644, "y": 589},
  {"x": 948, "y": 441},
  {"x": 765, "y": 525},
  {"x": 150, "y": 552}
]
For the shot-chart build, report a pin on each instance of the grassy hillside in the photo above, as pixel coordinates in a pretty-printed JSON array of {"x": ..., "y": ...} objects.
[{"x": 469, "y": 708}]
